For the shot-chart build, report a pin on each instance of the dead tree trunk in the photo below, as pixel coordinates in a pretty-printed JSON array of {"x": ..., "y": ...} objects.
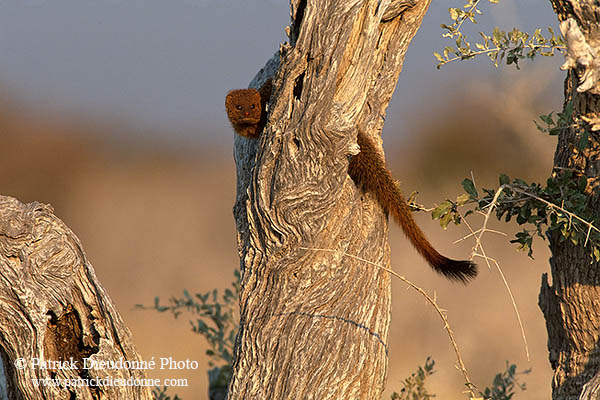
[
  {"x": 571, "y": 305},
  {"x": 314, "y": 319},
  {"x": 57, "y": 322}
]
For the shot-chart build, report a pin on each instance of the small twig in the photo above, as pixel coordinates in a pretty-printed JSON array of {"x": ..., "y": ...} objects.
[
  {"x": 467, "y": 15},
  {"x": 587, "y": 235},
  {"x": 476, "y": 232},
  {"x": 474, "y": 54},
  {"x": 471, "y": 387},
  {"x": 479, "y": 245},
  {"x": 473, "y": 179},
  {"x": 566, "y": 169},
  {"x": 419, "y": 207},
  {"x": 487, "y": 217},
  {"x": 481, "y": 231},
  {"x": 514, "y": 304}
]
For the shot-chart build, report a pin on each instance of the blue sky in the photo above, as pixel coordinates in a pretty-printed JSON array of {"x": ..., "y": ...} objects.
[{"x": 168, "y": 64}]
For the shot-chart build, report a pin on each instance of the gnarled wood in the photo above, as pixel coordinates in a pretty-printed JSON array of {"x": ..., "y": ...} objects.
[
  {"x": 54, "y": 309},
  {"x": 314, "y": 321},
  {"x": 571, "y": 305}
]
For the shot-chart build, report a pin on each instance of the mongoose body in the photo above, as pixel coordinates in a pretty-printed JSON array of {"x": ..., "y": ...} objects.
[{"x": 246, "y": 109}]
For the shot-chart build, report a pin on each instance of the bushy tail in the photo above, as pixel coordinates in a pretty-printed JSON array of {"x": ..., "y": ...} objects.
[{"x": 368, "y": 171}]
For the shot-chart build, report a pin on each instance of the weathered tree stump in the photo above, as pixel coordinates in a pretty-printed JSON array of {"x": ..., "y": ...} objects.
[{"x": 57, "y": 322}]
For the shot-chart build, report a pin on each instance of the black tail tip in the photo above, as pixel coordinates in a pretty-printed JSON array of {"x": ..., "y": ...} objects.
[{"x": 459, "y": 271}]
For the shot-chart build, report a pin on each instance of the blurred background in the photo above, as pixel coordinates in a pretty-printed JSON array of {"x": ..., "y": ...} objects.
[{"x": 112, "y": 111}]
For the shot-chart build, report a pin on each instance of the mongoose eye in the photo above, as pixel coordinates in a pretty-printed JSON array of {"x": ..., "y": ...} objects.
[{"x": 238, "y": 107}]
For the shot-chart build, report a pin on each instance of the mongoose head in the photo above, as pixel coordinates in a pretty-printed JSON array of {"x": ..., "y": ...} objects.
[{"x": 243, "y": 106}]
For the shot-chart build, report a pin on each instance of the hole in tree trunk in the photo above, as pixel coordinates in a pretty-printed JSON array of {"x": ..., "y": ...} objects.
[{"x": 298, "y": 86}]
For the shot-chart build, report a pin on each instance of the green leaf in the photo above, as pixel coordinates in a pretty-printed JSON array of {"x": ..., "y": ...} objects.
[
  {"x": 449, "y": 50},
  {"x": 441, "y": 210},
  {"x": 582, "y": 183},
  {"x": 469, "y": 187},
  {"x": 453, "y": 13},
  {"x": 583, "y": 142},
  {"x": 445, "y": 220},
  {"x": 462, "y": 199},
  {"x": 568, "y": 111},
  {"x": 548, "y": 119}
]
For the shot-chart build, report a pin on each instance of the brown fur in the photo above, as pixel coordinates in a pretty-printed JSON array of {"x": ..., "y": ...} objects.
[
  {"x": 368, "y": 171},
  {"x": 246, "y": 111}
]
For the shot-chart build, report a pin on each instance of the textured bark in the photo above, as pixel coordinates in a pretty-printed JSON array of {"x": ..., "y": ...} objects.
[
  {"x": 571, "y": 305},
  {"x": 314, "y": 323},
  {"x": 53, "y": 308}
]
